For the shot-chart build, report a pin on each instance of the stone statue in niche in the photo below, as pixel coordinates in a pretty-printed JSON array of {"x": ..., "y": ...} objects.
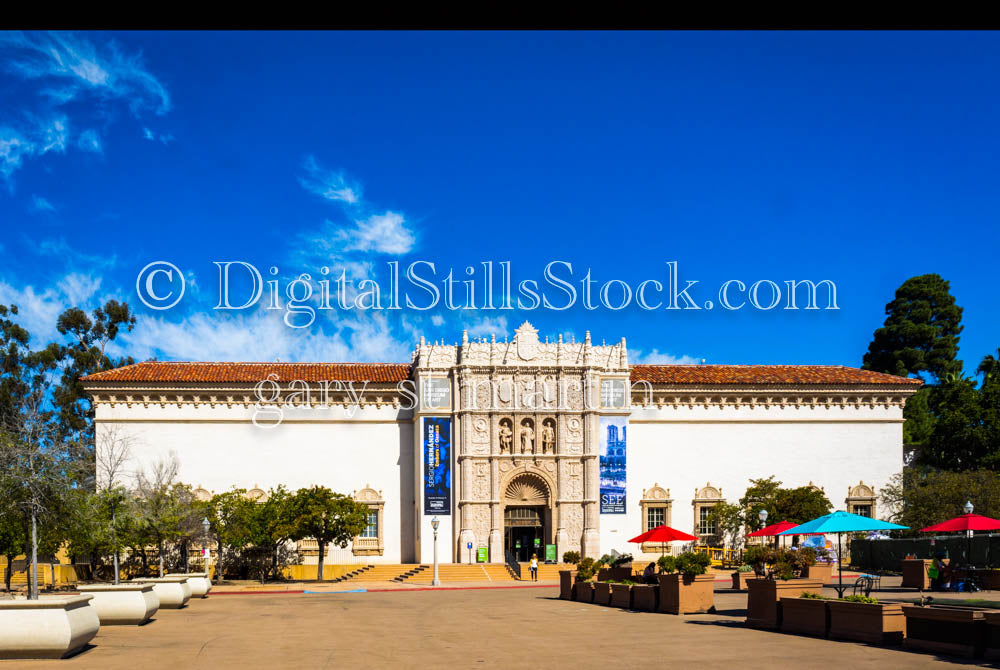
[
  {"x": 506, "y": 437},
  {"x": 527, "y": 437},
  {"x": 548, "y": 437}
]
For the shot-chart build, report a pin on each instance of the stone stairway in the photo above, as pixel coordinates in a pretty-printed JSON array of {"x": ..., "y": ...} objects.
[{"x": 381, "y": 573}]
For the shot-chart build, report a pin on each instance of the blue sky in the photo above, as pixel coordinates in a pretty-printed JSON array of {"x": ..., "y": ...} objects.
[{"x": 862, "y": 158}]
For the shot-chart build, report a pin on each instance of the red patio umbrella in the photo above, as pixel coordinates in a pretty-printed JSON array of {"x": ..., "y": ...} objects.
[
  {"x": 773, "y": 529},
  {"x": 964, "y": 524},
  {"x": 662, "y": 534}
]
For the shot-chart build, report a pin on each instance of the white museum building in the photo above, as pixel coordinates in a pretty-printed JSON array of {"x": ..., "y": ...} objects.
[{"x": 515, "y": 447}]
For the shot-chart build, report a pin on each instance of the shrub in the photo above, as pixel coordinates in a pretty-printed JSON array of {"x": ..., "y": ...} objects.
[
  {"x": 693, "y": 563},
  {"x": 806, "y": 557},
  {"x": 756, "y": 556},
  {"x": 571, "y": 557},
  {"x": 585, "y": 569},
  {"x": 745, "y": 568},
  {"x": 667, "y": 564},
  {"x": 809, "y": 595},
  {"x": 860, "y": 599},
  {"x": 623, "y": 559}
]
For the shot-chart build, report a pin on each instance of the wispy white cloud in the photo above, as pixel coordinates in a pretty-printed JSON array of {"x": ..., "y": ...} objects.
[
  {"x": 655, "y": 357},
  {"x": 70, "y": 66},
  {"x": 488, "y": 326},
  {"x": 40, "y": 204},
  {"x": 14, "y": 148},
  {"x": 58, "y": 248},
  {"x": 90, "y": 141},
  {"x": 40, "y": 308},
  {"x": 263, "y": 336},
  {"x": 163, "y": 138},
  {"x": 53, "y": 135},
  {"x": 61, "y": 68},
  {"x": 328, "y": 184},
  {"x": 367, "y": 228}
]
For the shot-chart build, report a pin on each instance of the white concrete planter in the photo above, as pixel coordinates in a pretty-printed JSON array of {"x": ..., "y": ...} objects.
[
  {"x": 124, "y": 604},
  {"x": 174, "y": 592},
  {"x": 200, "y": 582},
  {"x": 51, "y": 627}
]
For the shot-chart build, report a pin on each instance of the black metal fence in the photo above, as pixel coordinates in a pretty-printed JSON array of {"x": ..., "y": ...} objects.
[{"x": 888, "y": 554}]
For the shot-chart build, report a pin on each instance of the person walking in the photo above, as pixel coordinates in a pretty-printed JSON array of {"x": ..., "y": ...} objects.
[{"x": 534, "y": 567}]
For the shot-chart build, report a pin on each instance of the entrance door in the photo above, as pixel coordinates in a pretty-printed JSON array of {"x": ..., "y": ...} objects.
[{"x": 524, "y": 532}]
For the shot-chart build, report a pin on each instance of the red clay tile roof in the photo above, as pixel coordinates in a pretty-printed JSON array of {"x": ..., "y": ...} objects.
[
  {"x": 251, "y": 373},
  {"x": 751, "y": 375},
  {"x": 682, "y": 375}
]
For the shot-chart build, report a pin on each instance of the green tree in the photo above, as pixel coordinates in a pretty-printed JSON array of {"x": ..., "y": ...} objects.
[
  {"x": 958, "y": 440},
  {"x": 327, "y": 517},
  {"x": 801, "y": 504},
  {"x": 760, "y": 495},
  {"x": 729, "y": 522},
  {"x": 163, "y": 505},
  {"x": 920, "y": 497},
  {"x": 921, "y": 331},
  {"x": 86, "y": 353}
]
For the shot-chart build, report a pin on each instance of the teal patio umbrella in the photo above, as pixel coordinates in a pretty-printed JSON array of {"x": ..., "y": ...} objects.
[{"x": 840, "y": 522}]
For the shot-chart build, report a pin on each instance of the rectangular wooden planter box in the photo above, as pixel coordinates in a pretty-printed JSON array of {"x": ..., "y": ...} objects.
[
  {"x": 821, "y": 571},
  {"x": 566, "y": 579},
  {"x": 616, "y": 574},
  {"x": 687, "y": 595},
  {"x": 946, "y": 630},
  {"x": 621, "y": 596},
  {"x": 645, "y": 597},
  {"x": 991, "y": 636},
  {"x": 862, "y": 622},
  {"x": 740, "y": 580},
  {"x": 763, "y": 606},
  {"x": 583, "y": 592},
  {"x": 602, "y": 593},
  {"x": 915, "y": 574},
  {"x": 805, "y": 616}
]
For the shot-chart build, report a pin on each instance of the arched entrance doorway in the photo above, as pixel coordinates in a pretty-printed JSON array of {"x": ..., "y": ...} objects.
[{"x": 527, "y": 517}]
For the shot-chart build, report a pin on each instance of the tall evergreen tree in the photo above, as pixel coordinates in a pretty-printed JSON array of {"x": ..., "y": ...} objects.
[
  {"x": 920, "y": 333},
  {"x": 85, "y": 354}
]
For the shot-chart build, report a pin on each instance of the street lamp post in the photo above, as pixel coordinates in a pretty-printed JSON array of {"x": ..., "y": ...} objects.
[
  {"x": 762, "y": 515},
  {"x": 435, "y": 522},
  {"x": 205, "y": 525},
  {"x": 968, "y": 534}
]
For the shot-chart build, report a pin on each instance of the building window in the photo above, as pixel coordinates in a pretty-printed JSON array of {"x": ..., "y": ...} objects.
[
  {"x": 656, "y": 506},
  {"x": 371, "y": 541},
  {"x": 371, "y": 530},
  {"x": 706, "y": 524},
  {"x": 704, "y": 500},
  {"x": 613, "y": 393},
  {"x": 861, "y": 499},
  {"x": 656, "y": 516}
]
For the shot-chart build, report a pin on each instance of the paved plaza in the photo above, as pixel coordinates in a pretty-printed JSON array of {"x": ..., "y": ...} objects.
[{"x": 458, "y": 628}]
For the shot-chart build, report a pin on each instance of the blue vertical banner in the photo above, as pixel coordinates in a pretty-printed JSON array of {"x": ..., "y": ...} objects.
[
  {"x": 613, "y": 449},
  {"x": 437, "y": 465}
]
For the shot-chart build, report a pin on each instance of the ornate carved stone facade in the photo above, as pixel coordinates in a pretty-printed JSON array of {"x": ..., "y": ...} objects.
[{"x": 525, "y": 433}]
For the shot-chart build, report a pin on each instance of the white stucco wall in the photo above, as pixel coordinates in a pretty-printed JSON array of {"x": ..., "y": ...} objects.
[
  {"x": 682, "y": 449},
  {"x": 219, "y": 448}
]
